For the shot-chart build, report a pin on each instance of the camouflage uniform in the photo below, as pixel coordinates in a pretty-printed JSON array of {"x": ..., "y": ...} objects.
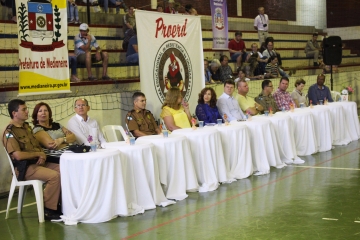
[{"x": 267, "y": 102}]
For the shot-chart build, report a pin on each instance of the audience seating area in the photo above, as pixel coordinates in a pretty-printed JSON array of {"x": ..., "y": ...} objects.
[{"x": 109, "y": 33}]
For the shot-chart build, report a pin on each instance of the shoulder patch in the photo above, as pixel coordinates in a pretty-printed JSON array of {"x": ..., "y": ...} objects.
[{"x": 9, "y": 135}]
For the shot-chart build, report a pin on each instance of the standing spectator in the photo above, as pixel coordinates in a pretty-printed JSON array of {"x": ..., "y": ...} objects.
[
  {"x": 83, "y": 44},
  {"x": 313, "y": 49},
  {"x": 73, "y": 12},
  {"x": 237, "y": 48},
  {"x": 129, "y": 19},
  {"x": 319, "y": 91},
  {"x": 225, "y": 69},
  {"x": 132, "y": 53},
  {"x": 261, "y": 24},
  {"x": 282, "y": 98}
]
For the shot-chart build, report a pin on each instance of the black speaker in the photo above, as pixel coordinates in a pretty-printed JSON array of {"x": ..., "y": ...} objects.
[{"x": 332, "y": 50}]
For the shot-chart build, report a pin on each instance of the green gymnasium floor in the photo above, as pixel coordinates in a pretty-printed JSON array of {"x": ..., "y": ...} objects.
[{"x": 317, "y": 200}]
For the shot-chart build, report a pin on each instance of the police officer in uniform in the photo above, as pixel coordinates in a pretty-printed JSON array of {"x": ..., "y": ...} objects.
[
  {"x": 265, "y": 99},
  {"x": 28, "y": 158},
  {"x": 140, "y": 121}
]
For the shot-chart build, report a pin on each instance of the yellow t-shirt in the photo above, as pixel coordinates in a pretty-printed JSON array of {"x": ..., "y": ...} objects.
[
  {"x": 180, "y": 118},
  {"x": 245, "y": 102}
]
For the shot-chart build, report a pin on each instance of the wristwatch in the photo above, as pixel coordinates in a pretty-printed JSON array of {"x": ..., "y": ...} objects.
[
  {"x": 256, "y": 107},
  {"x": 64, "y": 139}
]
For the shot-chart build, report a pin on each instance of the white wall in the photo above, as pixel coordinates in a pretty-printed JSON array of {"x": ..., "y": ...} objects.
[
  {"x": 346, "y": 33},
  {"x": 310, "y": 13}
]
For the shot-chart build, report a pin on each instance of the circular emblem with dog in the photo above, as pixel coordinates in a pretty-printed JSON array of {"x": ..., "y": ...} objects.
[{"x": 172, "y": 68}]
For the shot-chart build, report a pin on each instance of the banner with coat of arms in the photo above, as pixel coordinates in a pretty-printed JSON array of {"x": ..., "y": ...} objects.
[
  {"x": 219, "y": 16},
  {"x": 43, "y": 53},
  {"x": 170, "y": 55}
]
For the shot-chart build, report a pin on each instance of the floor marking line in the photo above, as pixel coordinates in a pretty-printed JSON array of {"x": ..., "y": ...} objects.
[
  {"x": 26, "y": 205},
  {"x": 230, "y": 198},
  {"x": 349, "y": 169}
]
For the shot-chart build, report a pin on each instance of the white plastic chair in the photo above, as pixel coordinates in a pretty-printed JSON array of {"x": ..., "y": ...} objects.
[
  {"x": 336, "y": 96},
  {"x": 38, "y": 189},
  {"x": 110, "y": 132}
]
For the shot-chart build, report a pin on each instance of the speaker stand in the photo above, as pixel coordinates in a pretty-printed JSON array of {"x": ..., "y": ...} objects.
[{"x": 331, "y": 78}]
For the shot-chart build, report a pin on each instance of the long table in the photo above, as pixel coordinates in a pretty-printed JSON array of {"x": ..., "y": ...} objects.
[{"x": 125, "y": 180}]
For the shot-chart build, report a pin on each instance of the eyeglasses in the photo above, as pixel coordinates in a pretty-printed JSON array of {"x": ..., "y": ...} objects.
[{"x": 80, "y": 105}]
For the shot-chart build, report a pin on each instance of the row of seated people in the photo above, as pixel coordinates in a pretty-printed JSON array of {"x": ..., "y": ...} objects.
[
  {"x": 175, "y": 112},
  {"x": 255, "y": 61},
  {"x": 36, "y": 151}
]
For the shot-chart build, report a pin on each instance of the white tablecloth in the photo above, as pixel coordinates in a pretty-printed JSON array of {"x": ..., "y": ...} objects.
[
  {"x": 323, "y": 126},
  {"x": 284, "y": 129},
  {"x": 142, "y": 175},
  {"x": 304, "y": 131},
  {"x": 237, "y": 151},
  {"x": 339, "y": 125},
  {"x": 352, "y": 119},
  {"x": 176, "y": 168},
  {"x": 264, "y": 145},
  {"x": 207, "y": 153},
  {"x": 93, "y": 187}
]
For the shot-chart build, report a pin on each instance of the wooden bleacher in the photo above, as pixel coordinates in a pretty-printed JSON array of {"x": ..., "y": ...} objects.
[{"x": 290, "y": 41}]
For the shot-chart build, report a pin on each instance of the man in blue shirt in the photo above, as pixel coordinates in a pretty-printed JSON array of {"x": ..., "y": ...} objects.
[
  {"x": 132, "y": 54},
  {"x": 319, "y": 91}
]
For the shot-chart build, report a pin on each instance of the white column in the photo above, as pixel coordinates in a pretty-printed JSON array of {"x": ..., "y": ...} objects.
[
  {"x": 239, "y": 8},
  {"x": 153, "y": 4}
]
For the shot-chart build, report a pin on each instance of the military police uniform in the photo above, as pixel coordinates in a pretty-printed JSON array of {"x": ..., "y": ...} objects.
[
  {"x": 21, "y": 139},
  {"x": 266, "y": 102},
  {"x": 141, "y": 120}
]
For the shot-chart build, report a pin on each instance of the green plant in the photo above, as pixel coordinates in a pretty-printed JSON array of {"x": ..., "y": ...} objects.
[
  {"x": 23, "y": 22},
  {"x": 57, "y": 25}
]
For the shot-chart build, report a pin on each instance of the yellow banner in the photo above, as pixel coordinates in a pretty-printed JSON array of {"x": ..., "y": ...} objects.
[{"x": 43, "y": 53}]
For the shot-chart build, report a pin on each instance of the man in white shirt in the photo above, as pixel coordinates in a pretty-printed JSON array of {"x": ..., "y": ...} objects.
[
  {"x": 227, "y": 104},
  {"x": 261, "y": 24},
  {"x": 85, "y": 128}
]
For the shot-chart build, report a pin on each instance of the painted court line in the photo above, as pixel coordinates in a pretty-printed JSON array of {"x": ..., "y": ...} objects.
[
  {"x": 349, "y": 169},
  {"x": 26, "y": 205},
  {"x": 230, "y": 198}
]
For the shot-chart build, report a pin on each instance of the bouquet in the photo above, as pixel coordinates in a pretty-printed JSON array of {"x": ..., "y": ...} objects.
[
  {"x": 347, "y": 90},
  {"x": 90, "y": 139}
]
